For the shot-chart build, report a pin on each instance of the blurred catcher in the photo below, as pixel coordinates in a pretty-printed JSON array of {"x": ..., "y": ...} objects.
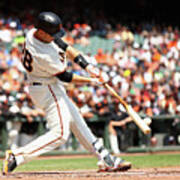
[{"x": 45, "y": 62}]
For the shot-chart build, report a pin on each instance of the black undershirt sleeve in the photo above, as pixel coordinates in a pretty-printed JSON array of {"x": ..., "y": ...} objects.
[
  {"x": 65, "y": 76},
  {"x": 60, "y": 43}
]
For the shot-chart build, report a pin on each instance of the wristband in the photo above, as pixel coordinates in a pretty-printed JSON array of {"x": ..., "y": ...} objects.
[{"x": 81, "y": 61}]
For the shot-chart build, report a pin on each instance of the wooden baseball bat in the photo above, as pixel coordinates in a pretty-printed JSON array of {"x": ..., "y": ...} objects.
[{"x": 134, "y": 115}]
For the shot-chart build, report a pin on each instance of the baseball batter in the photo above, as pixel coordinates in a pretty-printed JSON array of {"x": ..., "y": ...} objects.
[{"x": 45, "y": 62}]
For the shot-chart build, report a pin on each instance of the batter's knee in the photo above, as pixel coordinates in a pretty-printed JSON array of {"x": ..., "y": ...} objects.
[{"x": 60, "y": 134}]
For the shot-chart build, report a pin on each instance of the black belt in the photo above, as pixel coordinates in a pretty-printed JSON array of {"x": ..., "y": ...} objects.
[{"x": 36, "y": 84}]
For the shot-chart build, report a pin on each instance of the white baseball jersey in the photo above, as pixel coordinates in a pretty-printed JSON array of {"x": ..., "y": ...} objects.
[{"x": 42, "y": 60}]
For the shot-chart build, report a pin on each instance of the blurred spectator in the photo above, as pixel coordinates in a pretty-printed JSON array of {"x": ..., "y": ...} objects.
[
  {"x": 100, "y": 56},
  {"x": 117, "y": 125}
]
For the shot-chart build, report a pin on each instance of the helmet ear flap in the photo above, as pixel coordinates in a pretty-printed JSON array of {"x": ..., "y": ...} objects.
[{"x": 60, "y": 34}]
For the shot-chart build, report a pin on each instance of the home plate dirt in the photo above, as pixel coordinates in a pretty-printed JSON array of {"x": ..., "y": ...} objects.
[{"x": 134, "y": 174}]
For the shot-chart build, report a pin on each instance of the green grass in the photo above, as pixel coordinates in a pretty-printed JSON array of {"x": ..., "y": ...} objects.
[
  {"x": 140, "y": 161},
  {"x": 152, "y": 161}
]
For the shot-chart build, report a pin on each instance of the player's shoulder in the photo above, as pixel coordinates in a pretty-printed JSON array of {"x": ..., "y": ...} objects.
[
  {"x": 38, "y": 47},
  {"x": 30, "y": 33},
  {"x": 33, "y": 43}
]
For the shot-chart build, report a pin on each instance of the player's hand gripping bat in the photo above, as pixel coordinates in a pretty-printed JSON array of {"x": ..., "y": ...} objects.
[{"x": 136, "y": 118}]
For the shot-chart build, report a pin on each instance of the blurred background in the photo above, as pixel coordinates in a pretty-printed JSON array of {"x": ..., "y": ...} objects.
[{"x": 137, "y": 43}]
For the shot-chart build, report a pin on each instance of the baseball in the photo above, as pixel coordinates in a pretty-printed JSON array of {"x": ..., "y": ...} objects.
[{"x": 147, "y": 120}]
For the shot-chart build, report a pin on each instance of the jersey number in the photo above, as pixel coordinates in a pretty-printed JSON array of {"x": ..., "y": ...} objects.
[{"x": 27, "y": 60}]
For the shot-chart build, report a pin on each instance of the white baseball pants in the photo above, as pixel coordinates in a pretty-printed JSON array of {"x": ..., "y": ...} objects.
[{"x": 62, "y": 115}]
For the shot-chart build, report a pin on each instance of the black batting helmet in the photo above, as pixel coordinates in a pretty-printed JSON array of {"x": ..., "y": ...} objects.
[{"x": 50, "y": 23}]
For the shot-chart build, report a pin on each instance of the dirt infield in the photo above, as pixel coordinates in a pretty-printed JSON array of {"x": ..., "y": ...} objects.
[{"x": 134, "y": 174}]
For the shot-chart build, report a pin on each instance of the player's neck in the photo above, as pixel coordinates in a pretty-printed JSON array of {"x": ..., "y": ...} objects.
[{"x": 43, "y": 36}]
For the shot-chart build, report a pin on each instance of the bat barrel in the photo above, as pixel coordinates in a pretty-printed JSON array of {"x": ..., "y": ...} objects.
[
  {"x": 136, "y": 118},
  {"x": 139, "y": 122}
]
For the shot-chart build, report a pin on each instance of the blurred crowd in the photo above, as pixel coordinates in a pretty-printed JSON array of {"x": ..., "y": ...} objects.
[{"x": 143, "y": 67}]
